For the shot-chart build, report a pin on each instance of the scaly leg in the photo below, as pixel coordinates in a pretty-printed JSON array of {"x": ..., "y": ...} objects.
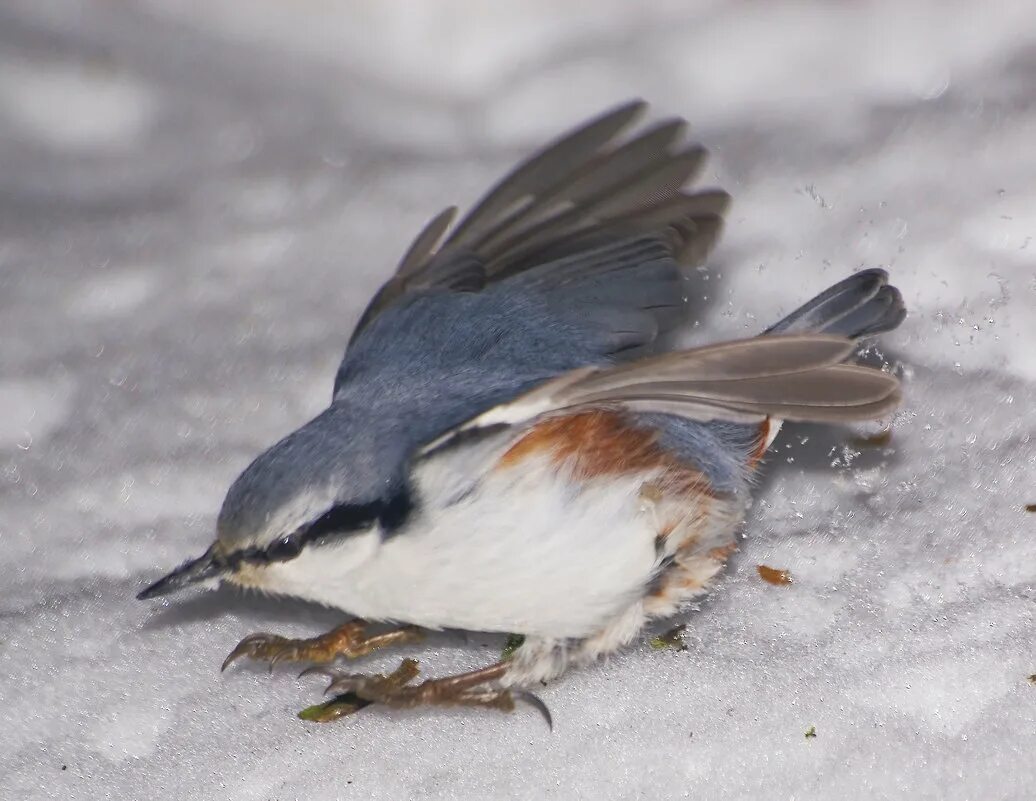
[
  {"x": 394, "y": 690},
  {"x": 349, "y": 640}
]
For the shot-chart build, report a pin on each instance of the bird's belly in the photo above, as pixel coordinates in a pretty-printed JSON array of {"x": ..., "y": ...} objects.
[
  {"x": 556, "y": 534},
  {"x": 528, "y": 550}
]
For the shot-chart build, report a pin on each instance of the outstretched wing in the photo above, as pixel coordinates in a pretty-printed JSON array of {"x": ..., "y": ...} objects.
[
  {"x": 574, "y": 259},
  {"x": 792, "y": 377},
  {"x": 583, "y": 192},
  {"x": 536, "y": 302}
]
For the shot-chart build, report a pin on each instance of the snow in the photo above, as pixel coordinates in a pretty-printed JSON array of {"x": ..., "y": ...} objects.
[{"x": 199, "y": 197}]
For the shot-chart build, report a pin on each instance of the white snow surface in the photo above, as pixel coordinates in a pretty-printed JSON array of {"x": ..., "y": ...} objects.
[{"x": 198, "y": 197}]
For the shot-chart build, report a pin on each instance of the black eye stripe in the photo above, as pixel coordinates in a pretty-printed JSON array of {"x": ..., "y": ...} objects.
[
  {"x": 284, "y": 549},
  {"x": 341, "y": 520}
]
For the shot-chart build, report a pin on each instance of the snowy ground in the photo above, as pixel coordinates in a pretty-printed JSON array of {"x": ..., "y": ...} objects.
[{"x": 197, "y": 197}]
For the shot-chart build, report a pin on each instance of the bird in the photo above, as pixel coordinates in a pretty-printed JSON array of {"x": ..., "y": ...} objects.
[{"x": 513, "y": 444}]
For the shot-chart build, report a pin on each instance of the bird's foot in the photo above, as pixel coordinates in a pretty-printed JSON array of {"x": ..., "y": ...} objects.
[
  {"x": 349, "y": 640},
  {"x": 357, "y": 690},
  {"x": 346, "y": 703}
]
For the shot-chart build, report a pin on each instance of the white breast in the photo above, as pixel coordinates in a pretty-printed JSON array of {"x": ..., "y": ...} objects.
[{"x": 526, "y": 550}]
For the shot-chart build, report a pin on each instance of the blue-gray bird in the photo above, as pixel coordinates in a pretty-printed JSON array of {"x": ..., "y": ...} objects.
[{"x": 507, "y": 450}]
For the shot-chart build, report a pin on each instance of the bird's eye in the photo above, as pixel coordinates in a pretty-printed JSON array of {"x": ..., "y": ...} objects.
[{"x": 284, "y": 549}]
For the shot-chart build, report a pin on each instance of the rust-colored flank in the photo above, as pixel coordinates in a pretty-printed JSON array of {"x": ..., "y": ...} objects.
[{"x": 603, "y": 443}]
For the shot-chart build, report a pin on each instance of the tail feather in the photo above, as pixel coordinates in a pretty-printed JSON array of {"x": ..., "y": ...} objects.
[{"x": 862, "y": 305}]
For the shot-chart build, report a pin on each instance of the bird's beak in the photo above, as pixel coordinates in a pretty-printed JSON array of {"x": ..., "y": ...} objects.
[{"x": 206, "y": 566}]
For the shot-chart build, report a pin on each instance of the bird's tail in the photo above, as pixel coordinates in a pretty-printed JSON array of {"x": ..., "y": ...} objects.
[{"x": 862, "y": 305}]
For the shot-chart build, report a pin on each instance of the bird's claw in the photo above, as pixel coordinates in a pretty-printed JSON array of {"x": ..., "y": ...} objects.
[
  {"x": 353, "y": 691},
  {"x": 372, "y": 683},
  {"x": 536, "y": 703},
  {"x": 318, "y": 670},
  {"x": 349, "y": 641},
  {"x": 272, "y": 648}
]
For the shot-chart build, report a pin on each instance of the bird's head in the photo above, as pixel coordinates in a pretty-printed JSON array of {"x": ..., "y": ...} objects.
[{"x": 311, "y": 494}]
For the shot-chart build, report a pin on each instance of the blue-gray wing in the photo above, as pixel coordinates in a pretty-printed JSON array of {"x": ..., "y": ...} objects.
[
  {"x": 586, "y": 189},
  {"x": 570, "y": 260}
]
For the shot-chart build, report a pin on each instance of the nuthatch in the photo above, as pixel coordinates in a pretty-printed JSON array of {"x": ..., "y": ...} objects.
[{"x": 506, "y": 450}]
